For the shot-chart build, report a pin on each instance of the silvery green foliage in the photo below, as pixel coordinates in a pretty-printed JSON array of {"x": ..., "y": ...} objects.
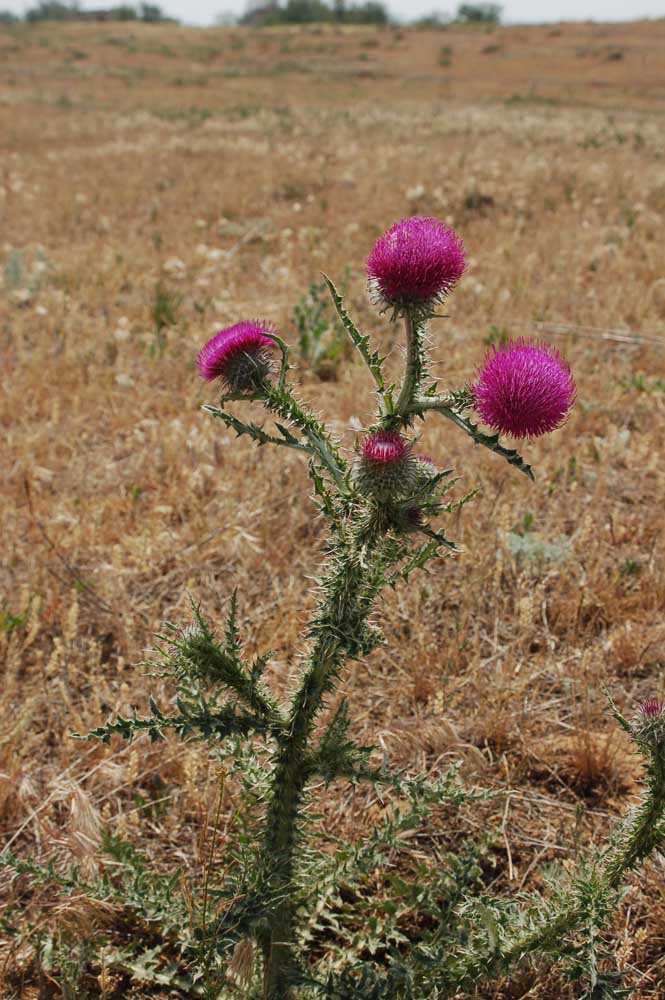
[{"x": 289, "y": 920}]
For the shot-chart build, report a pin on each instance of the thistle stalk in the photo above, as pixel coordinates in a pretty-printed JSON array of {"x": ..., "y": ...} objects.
[
  {"x": 412, "y": 367},
  {"x": 341, "y": 616}
]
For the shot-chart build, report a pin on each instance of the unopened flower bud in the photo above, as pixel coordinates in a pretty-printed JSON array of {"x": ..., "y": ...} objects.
[
  {"x": 410, "y": 519},
  {"x": 425, "y": 469},
  {"x": 386, "y": 468},
  {"x": 648, "y": 726},
  {"x": 239, "y": 355}
]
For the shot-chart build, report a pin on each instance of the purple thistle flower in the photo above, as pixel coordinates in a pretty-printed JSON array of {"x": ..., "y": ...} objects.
[
  {"x": 385, "y": 447},
  {"x": 652, "y": 708},
  {"x": 524, "y": 388},
  {"x": 648, "y": 726},
  {"x": 238, "y": 355},
  {"x": 386, "y": 467},
  {"x": 415, "y": 264}
]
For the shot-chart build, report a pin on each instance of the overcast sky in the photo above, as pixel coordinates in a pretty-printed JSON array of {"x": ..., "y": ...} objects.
[{"x": 514, "y": 11}]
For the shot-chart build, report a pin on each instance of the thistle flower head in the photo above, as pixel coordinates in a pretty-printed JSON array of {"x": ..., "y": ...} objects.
[
  {"x": 386, "y": 468},
  {"x": 651, "y": 708},
  {"x": 648, "y": 726},
  {"x": 385, "y": 447},
  {"x": 524, "y": 388},
  {"x": 415, "y": 264},
  {"x": 238, "y": 355}
]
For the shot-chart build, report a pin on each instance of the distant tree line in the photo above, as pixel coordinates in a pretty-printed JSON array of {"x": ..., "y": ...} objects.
[
  {"x": 341, "y": 11},
  {"x": 55, "y": 10},
  {"x": 316, "y": 11},
  {"x": 292, "y": 12}
]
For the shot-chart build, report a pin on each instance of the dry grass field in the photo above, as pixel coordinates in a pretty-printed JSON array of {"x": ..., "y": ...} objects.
[{"x": 158, "y": 183}]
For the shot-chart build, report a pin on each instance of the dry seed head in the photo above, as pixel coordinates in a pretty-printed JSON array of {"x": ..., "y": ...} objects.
[
  {"x": 241, "y": 966},
  {"x": 71, "y": 628}
]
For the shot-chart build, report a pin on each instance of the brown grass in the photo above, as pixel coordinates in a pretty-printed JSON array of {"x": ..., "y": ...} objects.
[{"x": 231, "y": 167}]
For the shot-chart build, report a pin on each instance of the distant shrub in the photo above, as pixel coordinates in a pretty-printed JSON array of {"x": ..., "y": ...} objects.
[
  {"x": 445, "y": 55},
  {"x": 479, "y": 13},
  {"x": 54, "y": 10},
  {"x": 322, "y": 340},
  {"x": 125, "y": 13},
  {"x": 152, "y": 13},
  {"x": 476, "y": 201},
  {"x": 366, "y": 13},
  {"x": 51, "y": 10},
  {"x": 435, "y": 20}
]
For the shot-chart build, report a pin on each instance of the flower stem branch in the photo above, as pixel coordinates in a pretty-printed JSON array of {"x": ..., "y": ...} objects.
[
  {"x": 284, "y": 404},
  {"x": 413, "y": 369},
  {"x": 442, "y": 405}
]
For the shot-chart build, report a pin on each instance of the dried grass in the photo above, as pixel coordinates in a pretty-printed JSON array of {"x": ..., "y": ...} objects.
[{"x": 230, "y": 178}]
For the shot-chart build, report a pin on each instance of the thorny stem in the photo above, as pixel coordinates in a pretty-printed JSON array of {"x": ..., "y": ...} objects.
[
  {"x": 644, "y": 834},
  {"x": 287, "y": 406},
  {"x": 422, "y": 403},
  {"x": 442, "y": 404},
  {"x": 340, "y": 618},
  {"x": 208, "y": 871},
  {"x": 412, "y": 369}
]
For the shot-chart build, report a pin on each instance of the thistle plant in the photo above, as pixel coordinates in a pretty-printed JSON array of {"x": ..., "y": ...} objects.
[{"x": 382, "y": 510}]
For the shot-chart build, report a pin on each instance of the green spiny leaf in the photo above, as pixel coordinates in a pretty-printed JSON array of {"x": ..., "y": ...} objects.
[
  {"x": 418, "y": 560},
  {"x": 490, "y": 441},
  {"x": 371, "y": 358},
  {"x": 255, "y": 432},
  {"x": 231, "y": 630}
]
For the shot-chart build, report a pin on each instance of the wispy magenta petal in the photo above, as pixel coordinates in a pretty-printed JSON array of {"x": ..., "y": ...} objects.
[
  {"x": 524, "y": 389},
  {"x": 416, "y": 263},
  {"x": 648, "y": 726},
  {"x": 385, "y": 447},
  {"x": 652, "y": 708}
]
